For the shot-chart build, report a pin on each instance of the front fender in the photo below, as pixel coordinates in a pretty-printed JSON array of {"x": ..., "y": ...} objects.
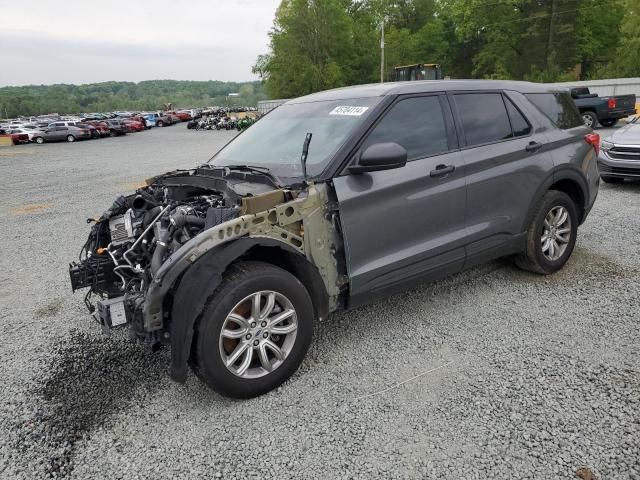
[{"x": 202, "y": 278}]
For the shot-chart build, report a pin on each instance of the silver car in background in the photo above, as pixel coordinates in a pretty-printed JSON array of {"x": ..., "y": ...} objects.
[
  {"x": 62, "y": 134},
  {"x": 619, "y": 157}
]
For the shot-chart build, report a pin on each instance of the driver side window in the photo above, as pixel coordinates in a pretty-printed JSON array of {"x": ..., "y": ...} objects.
[{"x": 415, "y": 123}]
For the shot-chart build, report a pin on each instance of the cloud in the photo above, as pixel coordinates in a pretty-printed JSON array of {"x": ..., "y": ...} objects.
[{"x": 141, "y": 40}]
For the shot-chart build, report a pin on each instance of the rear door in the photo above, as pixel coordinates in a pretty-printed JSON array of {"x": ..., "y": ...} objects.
[
  {"x": 506, "y": 159},
  {"x": 403, "y": 224}
]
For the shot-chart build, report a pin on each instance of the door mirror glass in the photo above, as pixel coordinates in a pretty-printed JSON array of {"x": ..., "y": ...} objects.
[{"x": 380, "y": 156}]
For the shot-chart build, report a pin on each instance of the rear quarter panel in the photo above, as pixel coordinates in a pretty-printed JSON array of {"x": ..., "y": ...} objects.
[{"x": 571, "y": 153}]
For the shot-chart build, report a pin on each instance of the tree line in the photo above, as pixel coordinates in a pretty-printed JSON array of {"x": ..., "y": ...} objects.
[
  {"x": 111, "y": 96},
  {"x": 320, "y": 44}
]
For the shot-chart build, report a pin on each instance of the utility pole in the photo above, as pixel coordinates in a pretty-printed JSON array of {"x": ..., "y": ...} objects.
[{"x": 384, "y": 19}]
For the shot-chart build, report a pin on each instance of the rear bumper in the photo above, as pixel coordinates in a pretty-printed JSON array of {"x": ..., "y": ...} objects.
[
  {"x": 618, "y": 168},
  {"x": 617, "y": 114}
]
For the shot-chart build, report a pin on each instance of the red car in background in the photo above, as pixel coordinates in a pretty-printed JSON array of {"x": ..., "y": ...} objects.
[
  {"x": 183, "y": 116},
  {"x": 19, "y": 138},
  {"x": 101, "y": 127},
  {"x": 133, "y": 125}
]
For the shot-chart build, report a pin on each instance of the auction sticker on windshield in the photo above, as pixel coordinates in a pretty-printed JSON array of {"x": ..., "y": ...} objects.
[{"x": 352, "y": 111}]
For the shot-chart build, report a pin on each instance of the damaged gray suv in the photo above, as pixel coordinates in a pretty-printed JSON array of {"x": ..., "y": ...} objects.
[{"x": 332, "y": 201}]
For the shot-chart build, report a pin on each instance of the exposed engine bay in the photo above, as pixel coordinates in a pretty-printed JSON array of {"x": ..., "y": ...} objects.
[{"x": 140, "y": 240}]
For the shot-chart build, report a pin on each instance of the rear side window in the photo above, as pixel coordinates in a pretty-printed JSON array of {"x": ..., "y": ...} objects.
[
  {"x": 484, "y": 117},
  {"x": 415, "y": 123},
  {"x": 558, "y": 107}
]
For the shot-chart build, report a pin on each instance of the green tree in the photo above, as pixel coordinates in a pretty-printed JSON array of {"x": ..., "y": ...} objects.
[
  {"x": 626, "y": 62},
  {"x": 310, "y": 43}
]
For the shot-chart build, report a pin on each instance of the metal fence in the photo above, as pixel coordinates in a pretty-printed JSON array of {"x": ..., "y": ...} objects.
[{"x": 608, "y": 87}]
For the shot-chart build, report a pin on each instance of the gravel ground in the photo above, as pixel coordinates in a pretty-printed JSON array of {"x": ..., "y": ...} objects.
[{"x": 493, "y": 373}]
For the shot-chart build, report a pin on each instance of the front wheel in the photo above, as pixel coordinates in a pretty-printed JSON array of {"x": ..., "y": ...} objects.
[
  {"x": 254, "y": 330},
  {"x": 608, "y": 123},
  {"x": 71, "y": 138},
  {"x": 39, "y": 140},
  {"x": 590, "y": 119},
  {"x": 551, "y": 235},
  {"x": 159, "y": 124}
]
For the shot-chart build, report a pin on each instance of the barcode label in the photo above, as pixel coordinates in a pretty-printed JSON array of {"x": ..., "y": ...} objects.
[{"x": 351, "y": 111}]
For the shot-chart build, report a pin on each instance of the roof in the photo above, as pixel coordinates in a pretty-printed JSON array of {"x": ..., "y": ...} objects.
[{"x": 424, "y": 86}]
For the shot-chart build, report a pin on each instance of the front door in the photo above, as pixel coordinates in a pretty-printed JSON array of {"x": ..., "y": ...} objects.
[{"x": 404, "y": 224}]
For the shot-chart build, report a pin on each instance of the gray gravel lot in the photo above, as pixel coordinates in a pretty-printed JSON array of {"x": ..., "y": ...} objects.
[{"x": 506, "y": 374}]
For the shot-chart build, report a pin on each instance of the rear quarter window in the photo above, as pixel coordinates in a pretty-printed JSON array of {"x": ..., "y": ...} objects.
[{"x": 559, "y": 107}]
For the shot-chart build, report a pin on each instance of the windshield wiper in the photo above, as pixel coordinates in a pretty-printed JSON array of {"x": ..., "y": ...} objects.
[
  {"x": 305, "y": 154},
  {"x": 251, "y": 168}
]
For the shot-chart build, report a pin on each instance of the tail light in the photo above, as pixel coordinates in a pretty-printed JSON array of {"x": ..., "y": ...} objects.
[
  {"x": 593, "y": 139},
  {"x": 612, "y": 103}
]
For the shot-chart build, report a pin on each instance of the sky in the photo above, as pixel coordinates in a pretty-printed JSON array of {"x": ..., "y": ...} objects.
[{"x": 71, "y": 41}]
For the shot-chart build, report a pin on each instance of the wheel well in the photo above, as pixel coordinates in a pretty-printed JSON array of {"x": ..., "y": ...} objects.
[
  {"x": 574, "y": 191},
  {"x": 298, "y": 266}
]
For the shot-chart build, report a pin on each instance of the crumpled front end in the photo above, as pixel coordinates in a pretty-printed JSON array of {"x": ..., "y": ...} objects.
[{"x": 139, "y": 248}]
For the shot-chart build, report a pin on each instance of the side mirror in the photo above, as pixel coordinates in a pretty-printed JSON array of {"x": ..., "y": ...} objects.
[{"x": 380, "y": 156}]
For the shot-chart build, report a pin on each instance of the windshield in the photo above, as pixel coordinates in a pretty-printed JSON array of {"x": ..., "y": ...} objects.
[{"x": 276, "y": 140}]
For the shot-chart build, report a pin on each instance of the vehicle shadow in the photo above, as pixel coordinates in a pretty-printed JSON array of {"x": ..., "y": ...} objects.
[{"x": 87, "y": 380}]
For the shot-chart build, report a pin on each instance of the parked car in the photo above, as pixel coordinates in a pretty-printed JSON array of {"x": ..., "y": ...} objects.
[
  {"x": 16, "y": 135},
  {"x": 161, "y": 119},
  {"x": 232, "y": 262},
  {"x": 60, "y": 134},
  {"x": 184, "y": 116},
  {"x": 150, "y": 120},
  {"x": 30, "y": 133},
  {"x": 133, "y": 125},
  {"x": 116, "y": 127},
  {"x": 619, "y": 157},
  {"x": 605, "y": 110},
  {"x": 93, "y": 131},
  {"x": 102, "y": 127}
]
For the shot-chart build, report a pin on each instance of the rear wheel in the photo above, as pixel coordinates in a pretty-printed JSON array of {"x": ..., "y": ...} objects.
[
  {"x": 608, "y": 123},
  {"x": 71, "y": 138},
  {"x": 590, "y": 119},
  {"x": 254, "y": 331},
  {"x": 608, "y": 179},
  {"x": 552, "y": 234}
]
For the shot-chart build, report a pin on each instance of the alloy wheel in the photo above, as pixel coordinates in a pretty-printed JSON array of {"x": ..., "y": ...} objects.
[
  {"x": 588, "y": 120},
  {"x": 258, "y": 334},
  {"x": 556, "y": 233}
]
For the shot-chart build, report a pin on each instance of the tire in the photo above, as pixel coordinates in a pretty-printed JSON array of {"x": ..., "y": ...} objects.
[
  {"x": 607, "y": 179},
  {"x": 71, "y": 138},
  {"x": 535, "y": 258},
  {"x": 95, "y": 134},
  {"x": 246, "y": 379},
  {"x": 159, "y": 124},
  {"x": 590, "y": 119},
  {"x": 608, "y": 123},
  {"x": 39, "y": 140}
]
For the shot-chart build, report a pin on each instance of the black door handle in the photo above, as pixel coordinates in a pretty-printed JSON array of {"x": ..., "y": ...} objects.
[
  {"x": 533, "y": 147},
  {"x": 442, "y": 170}
]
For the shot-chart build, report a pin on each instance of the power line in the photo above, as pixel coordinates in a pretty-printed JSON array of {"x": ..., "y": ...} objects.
[{"x": 529, "y": 18}]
